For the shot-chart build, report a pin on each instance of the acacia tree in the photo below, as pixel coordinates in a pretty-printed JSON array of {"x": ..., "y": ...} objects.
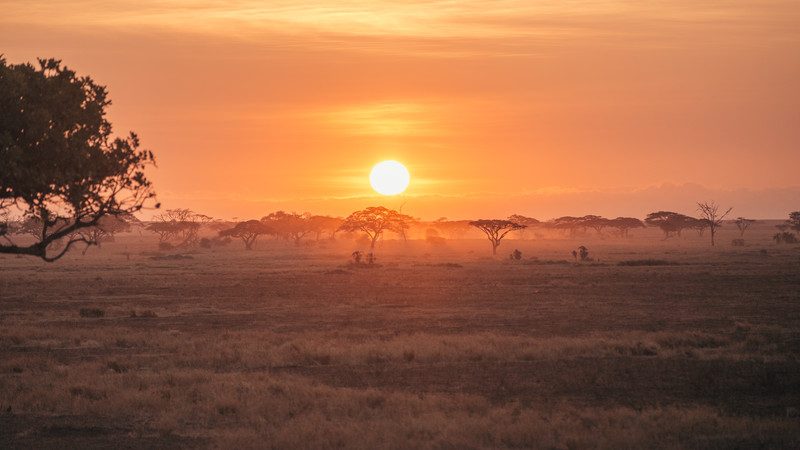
[
  {"x": 181, "y": 224},
  {"x": 248, "y": 231},
  {"x": 374, "y": 221},
  {"x": 623, "y": 224},
  {"x": 709, "y": 213},
  {"x": 496, "y": 230},
  {"x": 743, "y": 224},
  {"x": 106, "y": 229},
  {"x": 569, "y": 223},
  {"x": 325, "y": 224},
  {"x": 596, "y": 223},
  {"x": 670, "y": 222},
  {"x": 290, "y": 226},
  {"x": 453, "y": 229},
  {"x": 58, "y": 161},
  {"x": 523, "y": 220}
]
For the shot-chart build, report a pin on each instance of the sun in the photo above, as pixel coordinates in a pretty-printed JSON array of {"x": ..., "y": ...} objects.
[{"x": 389, "y": 178}]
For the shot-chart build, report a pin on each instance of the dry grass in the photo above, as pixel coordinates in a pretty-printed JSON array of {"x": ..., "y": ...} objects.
[{"x": 439, "y": 348}]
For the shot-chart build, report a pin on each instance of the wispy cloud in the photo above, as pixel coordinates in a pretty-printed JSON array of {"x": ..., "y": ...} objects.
[{"x": 423, "y": 26}]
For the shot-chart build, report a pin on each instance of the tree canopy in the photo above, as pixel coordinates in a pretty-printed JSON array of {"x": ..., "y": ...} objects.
[
  {"x": 60, "y": 164},
  {"x": 248, "y": 231},
  {"x": 374, "y": 221},
  {"x": 671, "y": 222},
  {"x": 496, "y": 230}
]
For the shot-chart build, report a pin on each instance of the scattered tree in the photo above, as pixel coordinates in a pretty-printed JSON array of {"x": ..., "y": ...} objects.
[
  {"x": 248, "y": 232},
  {"x": 453, "y": 229},
  {"x": 623, "y": 224},
  {"x": 290, "y": 226},
  {"x": 59, "y": 163},
  {"x": 670, "y": 222},
  {"x": 496, "y": 230},
  {"x": 182, "y": 225},
  {"x": 325, "y": 224},
  {"x": 794, "y": 220},
  {"x": 743, "y": 224},
  {"x": 529, "y": 222},
  {"x": 569, "y": 223},
  {"x": 596, "y": 223},
  {"x": 373, "y": 221},
  {"x": 709, "y": 213},
  {"x": 105, "y": 229}
]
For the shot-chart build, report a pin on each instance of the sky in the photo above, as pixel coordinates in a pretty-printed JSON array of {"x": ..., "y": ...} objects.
[{"x": 541, "y": 108}]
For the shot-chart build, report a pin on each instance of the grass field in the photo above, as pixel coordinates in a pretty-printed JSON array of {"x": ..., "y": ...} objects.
[{"x": 654, "y": 344}]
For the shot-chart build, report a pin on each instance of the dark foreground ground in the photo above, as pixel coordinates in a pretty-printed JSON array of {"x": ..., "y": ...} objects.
[{"x": 682, "y": 346}]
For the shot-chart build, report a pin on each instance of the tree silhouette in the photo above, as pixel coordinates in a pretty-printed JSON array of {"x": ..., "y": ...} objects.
[
  {"x": 496, "y": 230},
  {"x": 596, "y": 223},
  {"x": 291, "y": 226},
  {"x": 623, "y": 224},
  {"x": 794, "y": 220},
  {"x": 374, "y": 221},
  {"x": 568, "y": 223},
  {"x": 182, "y": 225},
  {"x": 709, "y": 213},
  {"x": 59, "y": 163},
  {"x": 248, "y": 232},
  {"x": 524, "y": 220},
  {"x": 670, "y": 222},
  {"x": 453, "y": 229},
  {"x": 325, "y": 224},
  {"x": 743, "y": 224}
]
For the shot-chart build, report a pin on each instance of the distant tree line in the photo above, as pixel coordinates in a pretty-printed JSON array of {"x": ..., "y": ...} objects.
[{"x": 181, "y": 228}]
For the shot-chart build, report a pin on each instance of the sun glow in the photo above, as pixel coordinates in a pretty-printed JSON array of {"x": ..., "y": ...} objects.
[{"x": 389, "y": 178}]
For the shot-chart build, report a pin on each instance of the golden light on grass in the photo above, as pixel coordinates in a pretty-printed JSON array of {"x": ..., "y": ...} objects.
[{"x": 389, "y": 178}]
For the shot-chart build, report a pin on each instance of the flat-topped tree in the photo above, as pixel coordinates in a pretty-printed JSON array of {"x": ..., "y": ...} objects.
[
  {"x": 248, "y": 232},
  {"x": 59, "y": 164},
  {"x": 496, "y": 230},
  {"x": 670, "y": 222},
  {"x": 374, "y": 221}
]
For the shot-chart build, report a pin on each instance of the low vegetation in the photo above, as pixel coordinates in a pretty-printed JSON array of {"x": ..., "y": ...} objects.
[{"x": 664, "y": 344}]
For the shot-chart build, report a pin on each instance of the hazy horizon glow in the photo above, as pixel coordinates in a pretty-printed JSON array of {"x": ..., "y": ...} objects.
[{"x": 502, "y": 106}]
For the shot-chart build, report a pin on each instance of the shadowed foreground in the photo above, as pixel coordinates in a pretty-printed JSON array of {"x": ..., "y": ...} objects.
[{"x": 293, "y": 348}]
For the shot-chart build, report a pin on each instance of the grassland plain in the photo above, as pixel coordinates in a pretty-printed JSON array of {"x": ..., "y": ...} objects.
[{"x": 654, "y": 344}]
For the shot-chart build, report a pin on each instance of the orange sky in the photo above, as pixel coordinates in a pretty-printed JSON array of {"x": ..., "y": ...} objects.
[{"x": 498, "y": 107}]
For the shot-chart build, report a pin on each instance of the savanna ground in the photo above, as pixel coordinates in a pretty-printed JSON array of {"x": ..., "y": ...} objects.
[{"x": 683, "y": 346}]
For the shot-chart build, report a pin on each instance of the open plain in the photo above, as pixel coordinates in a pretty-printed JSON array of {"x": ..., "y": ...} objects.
[{"x": 652, "y": 344}]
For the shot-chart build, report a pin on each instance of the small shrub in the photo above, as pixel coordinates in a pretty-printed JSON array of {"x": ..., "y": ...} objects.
[{"x": 92, "y": 312}]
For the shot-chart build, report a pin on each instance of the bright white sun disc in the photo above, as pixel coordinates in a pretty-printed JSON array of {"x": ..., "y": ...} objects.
[{"x": 389, "y": 178}]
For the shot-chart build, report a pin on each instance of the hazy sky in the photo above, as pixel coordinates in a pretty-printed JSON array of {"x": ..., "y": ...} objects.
[{"x": 541, "y": 108}]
